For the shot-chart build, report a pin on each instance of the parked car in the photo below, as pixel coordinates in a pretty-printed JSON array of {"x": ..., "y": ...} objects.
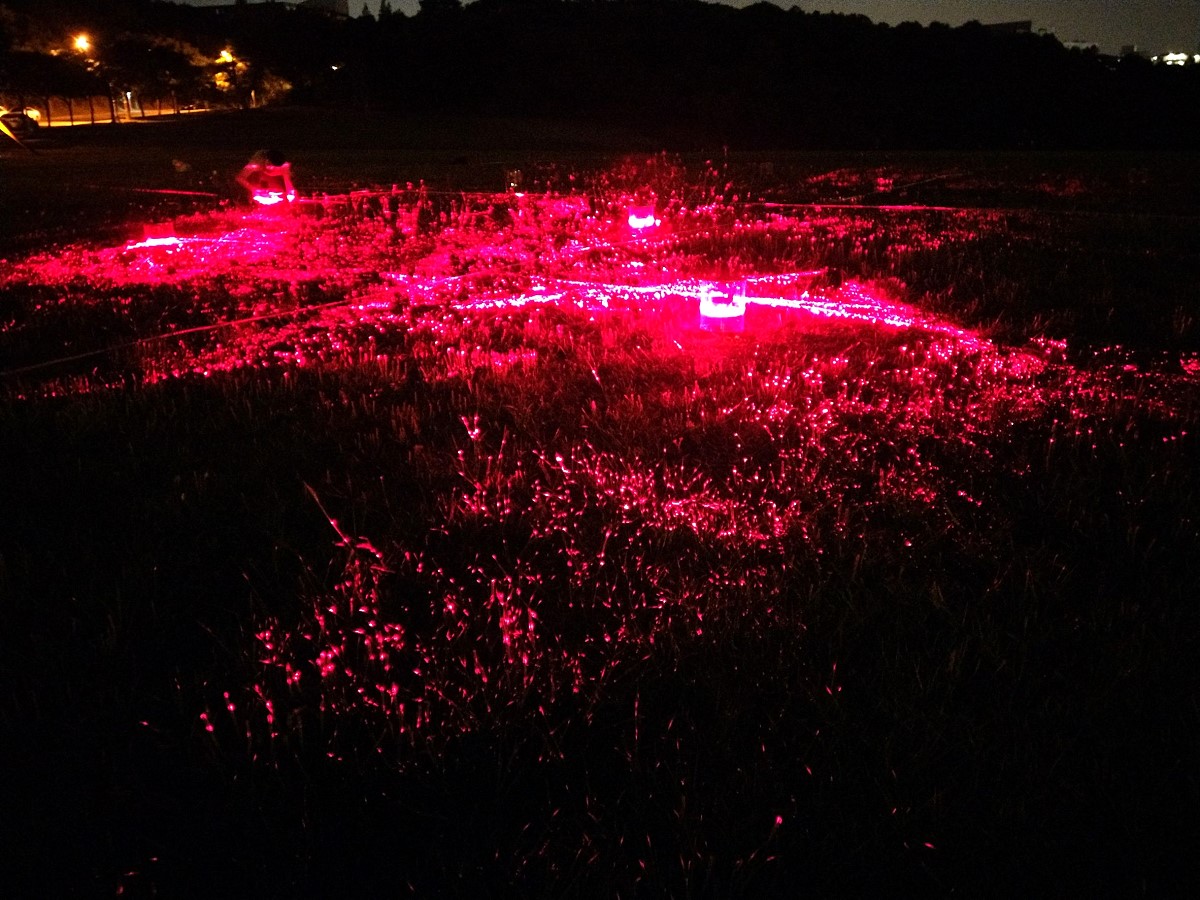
[{"x": 20, "y": 123}]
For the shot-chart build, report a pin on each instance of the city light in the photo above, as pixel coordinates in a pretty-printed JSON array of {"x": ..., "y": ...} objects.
[{"x": 82, "y": 43}]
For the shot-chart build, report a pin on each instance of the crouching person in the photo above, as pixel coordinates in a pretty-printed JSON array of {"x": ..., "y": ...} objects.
[{"x": 267, "y": 179}]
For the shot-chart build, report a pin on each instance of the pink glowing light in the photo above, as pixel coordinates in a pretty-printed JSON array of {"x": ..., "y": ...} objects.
[
  {"x": 372, "y": 285},
  {"x": 271, "y": 198},
  {"x": 642, "y": 217},
  {"x": 171, "y": 241},
  {"x": 784, "y": 409},
  {"x": 857, "y": 303},
  {"x": 722, "y": 312}
]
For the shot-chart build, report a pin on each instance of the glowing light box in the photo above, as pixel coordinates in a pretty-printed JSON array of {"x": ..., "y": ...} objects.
[
  {"x": 271, "y": 198},
  {"x": 642, "y": 217},
  {"x": 722, "y": 312}
]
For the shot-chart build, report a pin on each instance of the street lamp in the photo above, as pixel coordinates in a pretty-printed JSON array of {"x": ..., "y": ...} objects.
[{"x": 82, "y": 44}]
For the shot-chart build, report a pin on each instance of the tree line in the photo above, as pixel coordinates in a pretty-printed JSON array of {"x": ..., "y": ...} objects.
[{"x": 678, "y": 70}]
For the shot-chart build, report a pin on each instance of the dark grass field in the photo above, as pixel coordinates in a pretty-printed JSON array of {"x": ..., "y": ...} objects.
[{"x": 451, "y": 558}]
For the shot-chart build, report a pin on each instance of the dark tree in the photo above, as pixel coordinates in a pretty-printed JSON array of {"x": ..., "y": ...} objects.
[
  {"x": 439, "y": 7},
  {"x": 25, "y": 75}
]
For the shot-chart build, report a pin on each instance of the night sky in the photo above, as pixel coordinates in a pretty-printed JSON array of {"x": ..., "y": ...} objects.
[{"x": 1155, "y": 26}]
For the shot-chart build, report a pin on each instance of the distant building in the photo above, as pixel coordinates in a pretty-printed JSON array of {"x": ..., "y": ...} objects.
[{"x": 1081, "y": 45}]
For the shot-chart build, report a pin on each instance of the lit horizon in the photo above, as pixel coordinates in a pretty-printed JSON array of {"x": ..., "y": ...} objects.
[{"x": 1153, "y": 26}]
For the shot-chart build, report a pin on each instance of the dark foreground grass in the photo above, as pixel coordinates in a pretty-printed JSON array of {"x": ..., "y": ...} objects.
[
  {"x": 568, "y": 599},
  {"x": 1019, "y": 695}
]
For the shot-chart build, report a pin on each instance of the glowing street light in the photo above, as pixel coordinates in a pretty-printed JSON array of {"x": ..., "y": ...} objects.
[
  {"x": 226, "y": 78},
  {"x": 82, "y": 44}
]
